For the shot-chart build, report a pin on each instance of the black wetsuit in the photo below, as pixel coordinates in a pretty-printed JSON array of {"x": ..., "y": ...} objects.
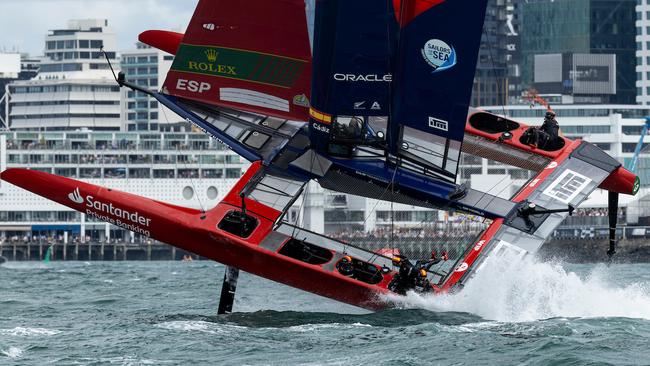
[
  {"x": 552, "y": 128},
  {"x": 408, "y": 277},
  {"x": 546, "y": 137}
]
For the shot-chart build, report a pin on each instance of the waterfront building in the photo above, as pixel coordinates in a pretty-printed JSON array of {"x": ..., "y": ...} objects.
[
  {"x": 186, "y": 169},
  {"x": 147, "y": 67},
  {"x": 14, "y": 66},
  {"x": 74, "y": 87}
]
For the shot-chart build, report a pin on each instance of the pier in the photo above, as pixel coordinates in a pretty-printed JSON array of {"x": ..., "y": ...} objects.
[{"x": 91, "y": 251}]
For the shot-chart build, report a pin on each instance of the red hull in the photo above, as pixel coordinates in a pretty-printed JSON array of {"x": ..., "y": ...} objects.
[{"x": 196, "y": 232}]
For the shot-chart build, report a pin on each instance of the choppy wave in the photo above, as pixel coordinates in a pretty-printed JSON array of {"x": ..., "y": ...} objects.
[
  {"x": 12, "y": 352},
  {"x": 518, "y": 290},
  {"x": 198, "y": 326},
  {"x": 28, "y": 332}
]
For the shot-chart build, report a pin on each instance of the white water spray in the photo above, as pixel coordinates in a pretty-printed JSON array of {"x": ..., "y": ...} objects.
[{"x": 516, "y": 290}]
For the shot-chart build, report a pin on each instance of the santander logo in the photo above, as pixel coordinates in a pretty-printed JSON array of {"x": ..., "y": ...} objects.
[{"x": 75, "y": 196}]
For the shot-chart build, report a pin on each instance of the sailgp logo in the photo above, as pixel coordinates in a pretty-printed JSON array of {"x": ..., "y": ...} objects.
[
  {"x": 439, "y": 55},
  {"x": 75, "y": 196}
]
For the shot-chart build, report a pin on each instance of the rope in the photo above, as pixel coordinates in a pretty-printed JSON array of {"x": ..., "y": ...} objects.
[{"x": 196, "y": 193}]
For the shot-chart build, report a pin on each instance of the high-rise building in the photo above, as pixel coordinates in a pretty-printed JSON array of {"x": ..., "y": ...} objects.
[
  {"x": 581, "y": 27},
  {"x": 643, "y": 52},
  {"x": 490, "y": 85},
  {"x": 147, "y": 67},
  {"x": 75, "y": 87}
]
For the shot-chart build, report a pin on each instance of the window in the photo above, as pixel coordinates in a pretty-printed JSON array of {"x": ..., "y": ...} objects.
[
  {"x": 71, "y": 67},
  {"x": 71, "y": 44},
  {"x": 142, "y": 70},
  {"x": 154, "y": 115},
  {"x": 168, "y": 58},
  {"x": 153, "y": 104},
  {"x": 142, "y": 59},
  {"x": 153, "y": 59},
  {"x": 50, "y": 45},
  {"x": 96, "y": 43},
  {"x": 60, "y": 45},
  {"x": 233, "y": 173},
  {"x": 84, "y": 55},
  {"x": 84, "y": 44},
  {"x": 153, "y": 82}
]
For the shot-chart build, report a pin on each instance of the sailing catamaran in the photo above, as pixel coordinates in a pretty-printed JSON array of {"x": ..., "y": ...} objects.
[{"x": 379, "y": 109}]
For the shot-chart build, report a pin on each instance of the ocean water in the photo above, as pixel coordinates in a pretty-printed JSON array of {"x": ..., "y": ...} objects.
[{"x": 162, "y": 313}]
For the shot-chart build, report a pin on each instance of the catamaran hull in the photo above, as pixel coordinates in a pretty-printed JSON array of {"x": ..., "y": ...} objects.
[{"x": 198, "y": 232}]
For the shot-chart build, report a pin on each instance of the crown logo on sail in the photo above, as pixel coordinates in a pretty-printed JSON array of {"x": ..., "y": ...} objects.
[{"x": 211, "y": 54}]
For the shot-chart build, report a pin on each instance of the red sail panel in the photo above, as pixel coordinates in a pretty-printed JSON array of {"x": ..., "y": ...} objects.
[
  {"x": 412, "y": 8},
  {"x": 253, "y": 56}
]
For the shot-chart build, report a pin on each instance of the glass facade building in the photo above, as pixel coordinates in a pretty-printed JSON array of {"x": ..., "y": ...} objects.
[{"x": 582, "y": 26}]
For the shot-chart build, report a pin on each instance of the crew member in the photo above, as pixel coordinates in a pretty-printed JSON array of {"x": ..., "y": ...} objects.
[
  {"x": 345, "y": 266},
  {"x": 413, "y": 277},
  {"x": 546, "y": 136},
  {"x": 551, "y": 128},
  {"x": 405, "y": 278}
]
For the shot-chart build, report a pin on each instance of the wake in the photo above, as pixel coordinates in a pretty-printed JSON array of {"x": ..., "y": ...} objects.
[{"x": 519, "y": 290}]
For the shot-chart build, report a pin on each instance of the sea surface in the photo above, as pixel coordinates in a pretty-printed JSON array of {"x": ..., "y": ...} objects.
[{"x": 163, "y": 313}]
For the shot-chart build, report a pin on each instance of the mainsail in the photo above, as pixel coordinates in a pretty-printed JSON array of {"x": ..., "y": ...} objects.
[
  {"x": 432, "y": 82},
  {"x": 404, "y": 68},
  {"x": 253, "y": 56}
]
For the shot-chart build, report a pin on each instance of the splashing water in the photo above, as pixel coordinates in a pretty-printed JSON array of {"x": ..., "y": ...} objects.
[
  {"x": 12, "y": 352},
  {"x": 515, "y": 290}
]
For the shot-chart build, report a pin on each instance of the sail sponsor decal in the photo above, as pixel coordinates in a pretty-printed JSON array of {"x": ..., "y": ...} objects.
[
  {"x": 301, "y": 100},
  {"x": 375, "y": 106},
  {"x": 238, "y": 64},
  {"x": 254, "y": 98},
  {"x": 438, "y": 123},
  {"x": 387, "y": 78},
  {"x": 193, "y": 86},
  {"x": 567, "y": 186},
  {"x": 439, "y": 55},
  {"x": 320, "y": 128},
  {"x": 129, "y": 220}
]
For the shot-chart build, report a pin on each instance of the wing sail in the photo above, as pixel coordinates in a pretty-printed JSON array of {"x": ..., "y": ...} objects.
[
  {"x": 433, "y": 76},
  {"x": 253, "y": 56},
  {"x": 353, "y": 45}
]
